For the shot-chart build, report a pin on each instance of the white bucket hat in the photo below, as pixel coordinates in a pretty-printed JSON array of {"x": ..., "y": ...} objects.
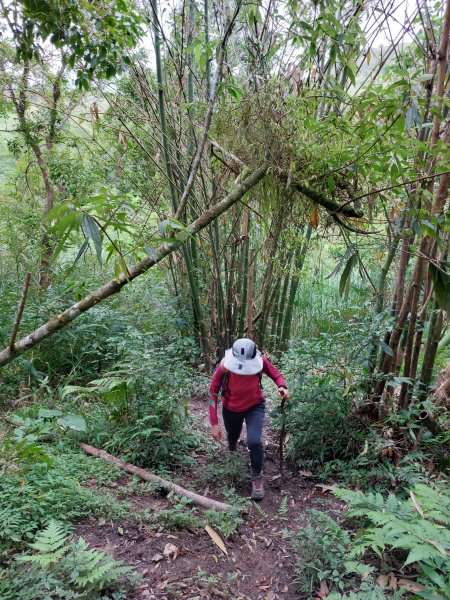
[{"x": 243, "y": 358}]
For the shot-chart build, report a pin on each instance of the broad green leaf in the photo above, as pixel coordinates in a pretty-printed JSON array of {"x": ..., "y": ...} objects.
[
  {"x": 386, "y": 349},
  {"x": 45, "y": 413},
  {"x": 441, "y": 286},
  {"x": 81, "y": 251},
  {"x": 74, "y": 422},
  {"x": 91, "y": 231}
]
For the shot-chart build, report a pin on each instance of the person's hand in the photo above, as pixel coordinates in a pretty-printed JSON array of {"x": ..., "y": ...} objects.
[
  {"x": 284, "y": 393},
  {"x": 216, "y": 433}
]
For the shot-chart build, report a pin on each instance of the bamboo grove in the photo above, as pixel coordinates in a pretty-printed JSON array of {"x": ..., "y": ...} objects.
[{"x": 241, "y": 137}]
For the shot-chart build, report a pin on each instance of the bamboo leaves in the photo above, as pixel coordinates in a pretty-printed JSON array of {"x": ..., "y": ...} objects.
[
  {"x": 345, "y": 277},
  {"x": 91, "y": 232},
  {"x": 441, "y": 282}
]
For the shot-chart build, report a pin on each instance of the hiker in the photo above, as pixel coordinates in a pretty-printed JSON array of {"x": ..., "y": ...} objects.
[{"x": 238, "y": 377}]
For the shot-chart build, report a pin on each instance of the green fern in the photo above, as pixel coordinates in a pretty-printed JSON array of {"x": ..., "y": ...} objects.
[
  {"x": 49, "y": 544},
  {"x": 92, "y": 568},
  {"x": 417, "y": 527},
  {"x": 69, "y": 570},
  {"x": 260, "y": 510},
  {"x": 283, "y": 509}
]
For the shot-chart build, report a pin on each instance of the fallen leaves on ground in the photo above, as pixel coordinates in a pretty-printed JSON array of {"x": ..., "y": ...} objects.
[
  {"x": 171, "y": 551},
  {"x": 324, "y": 589},
  {"x": 216, "y": 539}
]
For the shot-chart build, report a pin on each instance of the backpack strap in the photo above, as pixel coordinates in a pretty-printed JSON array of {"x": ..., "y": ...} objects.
[{"x": 226, "y": 376}]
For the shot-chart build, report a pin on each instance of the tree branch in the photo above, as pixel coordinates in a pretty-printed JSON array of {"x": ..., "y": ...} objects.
[
  {"x": 329, "y": 205},
  {"x": 15, "y": 329}
]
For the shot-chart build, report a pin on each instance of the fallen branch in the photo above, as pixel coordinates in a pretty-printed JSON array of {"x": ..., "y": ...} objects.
[{"x": 166, "y": 485}]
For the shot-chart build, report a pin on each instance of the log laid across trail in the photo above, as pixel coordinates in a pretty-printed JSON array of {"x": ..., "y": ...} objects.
[{"x": 166, "y": 485}]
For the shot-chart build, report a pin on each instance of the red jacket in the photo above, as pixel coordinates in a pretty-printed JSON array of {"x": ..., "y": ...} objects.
[{"x": 242, "y": 391}]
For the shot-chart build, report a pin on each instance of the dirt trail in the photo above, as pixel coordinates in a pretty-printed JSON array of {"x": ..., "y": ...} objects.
[{"x": 188, "y": 565}]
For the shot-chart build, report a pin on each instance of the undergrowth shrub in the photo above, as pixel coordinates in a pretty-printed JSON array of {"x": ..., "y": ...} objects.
[
  {"x": 138, "y": 408},
  {"x": 368, "y": 591},
  {"x": 413, "y": 530},
  {"x": 179, "y": 516},
  {"x": 32, "y": 495},
  {"x": 226, "y": 522},
  {"x": 55, "y": 567},
  {"x": 326, "y": 381},
  {"x": 369, "y": 470},
  {"x": 322, "y": 425},
  {"x": 322, "y": 550}
]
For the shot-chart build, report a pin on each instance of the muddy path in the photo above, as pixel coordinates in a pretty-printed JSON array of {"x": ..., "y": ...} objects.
[{"x": 186, "y": 564}]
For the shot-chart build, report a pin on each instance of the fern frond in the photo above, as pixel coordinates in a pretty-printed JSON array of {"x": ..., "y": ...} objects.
[
  {"x": 420, "y": 553},
  {"x": 51, "y": 538}
]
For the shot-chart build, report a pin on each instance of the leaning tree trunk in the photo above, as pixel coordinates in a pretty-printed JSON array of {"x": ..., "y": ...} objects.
[{"x": 115, "y": 285}]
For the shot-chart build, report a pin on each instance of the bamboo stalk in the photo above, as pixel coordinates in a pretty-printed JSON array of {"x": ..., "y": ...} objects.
[
  {"x": 251, "y": 271},
  {"x": 244, "y": 288},
  {"x": 434, "y": 334},
  {"x": 300, "y": 259}
]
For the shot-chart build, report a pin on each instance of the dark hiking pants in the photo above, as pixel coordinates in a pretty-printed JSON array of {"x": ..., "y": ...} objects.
[{"x": 254, "y": 420}]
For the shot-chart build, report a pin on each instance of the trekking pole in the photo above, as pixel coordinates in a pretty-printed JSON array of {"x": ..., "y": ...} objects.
[{"x": 282, "y": 434}]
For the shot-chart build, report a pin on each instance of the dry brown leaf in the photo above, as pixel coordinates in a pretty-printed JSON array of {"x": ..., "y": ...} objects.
[
  {"x": 327, "y": 488},
  {"x": 157, "y": 557},
  {"x": 314, "y": 218},
  {"x": 306, "y": 473},
  {"x": 216, "y": 539},
  {"x": 393, "y": 583},
  {"x": 382, "y": 581},
  {"x": 416, "y": 504},
  {"x": 170, "y": 550},
  {"x": 411, "y": 586},
  {"x": 324, "y": 589}
]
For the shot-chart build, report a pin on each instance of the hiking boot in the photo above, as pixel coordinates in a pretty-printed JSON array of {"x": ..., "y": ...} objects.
[
  {"x": 232, "y": 446},
  {"x": 257, "y": 488}
]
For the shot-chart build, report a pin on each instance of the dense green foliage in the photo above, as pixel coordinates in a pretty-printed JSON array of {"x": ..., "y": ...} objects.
[
  {"x": 66, "y": 570},
  {"x": 334, "y": 259}
]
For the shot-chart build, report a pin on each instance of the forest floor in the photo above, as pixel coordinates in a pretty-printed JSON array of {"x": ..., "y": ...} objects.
[{"x": 187, "y": 564}]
